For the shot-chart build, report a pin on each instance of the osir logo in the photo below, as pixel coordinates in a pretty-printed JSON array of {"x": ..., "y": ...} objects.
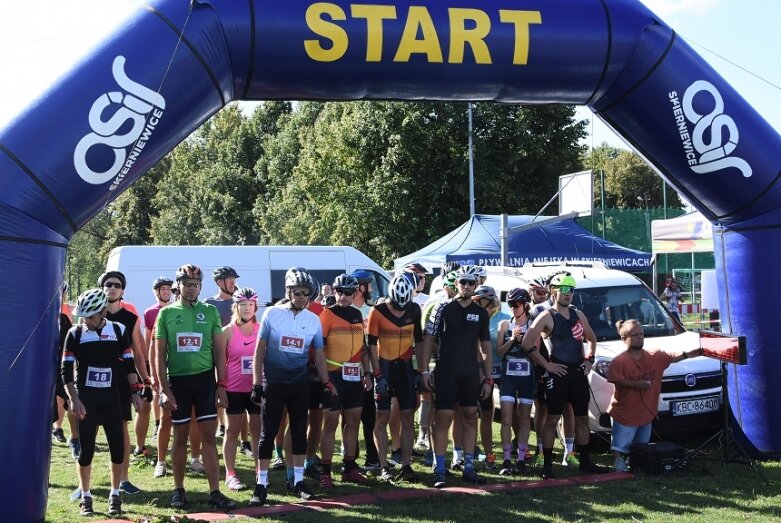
[
  {"x": 135, "y": 105},
  {"x": 705, "y": 147}
]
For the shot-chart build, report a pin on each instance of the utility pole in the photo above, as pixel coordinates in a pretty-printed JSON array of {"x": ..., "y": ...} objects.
[{"x": 471, "y": 165}]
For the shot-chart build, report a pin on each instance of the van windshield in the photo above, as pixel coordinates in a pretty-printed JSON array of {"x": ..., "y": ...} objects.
[{"x": 604, "y": 306}]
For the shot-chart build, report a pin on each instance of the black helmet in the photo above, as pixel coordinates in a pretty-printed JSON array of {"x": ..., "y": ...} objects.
[
  {"x": 220, "y": 273},
  {"x": 519, "y": 295},
  {"x": 112, "y": 274},
  {"x": 162, "y": 280},
  {"x": 345, "y": 281},
  {"x": 297, "y": 277},
  {"x": 189, "y": 272}
]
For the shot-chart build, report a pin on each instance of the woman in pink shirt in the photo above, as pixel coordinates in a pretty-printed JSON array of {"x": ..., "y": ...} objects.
[{"x": 241, "y": 334}]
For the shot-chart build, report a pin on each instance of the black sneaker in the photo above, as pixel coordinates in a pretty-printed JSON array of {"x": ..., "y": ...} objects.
[
  {"x": 258, "y": 496},
  {"x": 507, "y": 468},
  {"x": 114, "y": 506},
  {"x": 246, "y": 449},
  {"x": 407, "y": 474},
  {"x": 593, "y": 468},
  {"x": 385, "y": 475},
  {"x": 301, "y": 490},
  {"x": 75, "y": 446},
  {"x": 547, "y": 472},
  {"x": 220, "y": 431},
  {"x": 86, "y": 506},
  {"x": 521, "y": 468},
  {"x": 471, "y": 476},
  {"x": 218, "y": 500},
  {"x": 312, "y": 472},
  {"x": 439, "y": 481},
  {"x": 395, "y": 458},
  {"x": 370, "y": 466},
  {"x": 457, "y": 465},
  {"x": 178, "y": 499},
  {"x": 59, "y": 435}
]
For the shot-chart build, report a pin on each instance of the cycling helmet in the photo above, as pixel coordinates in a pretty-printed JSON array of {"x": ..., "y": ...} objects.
[
  {"x": 565, "y": 279},
  {"x": 519, "y": 295},
  {"x": 414, "y": 267},
  {"x": 411, "y": 276},
  {"x": 112, "y": 274},
  {"x": 362, "y": 276},
  {"x": 450, "y": 266},
  {"x": 90, "y": 303},
  {"x": 538, "y": 283},
  {"x": 315, "y": 288},
  {"x": 468, "y": 272},
  {"x": 160, "y": 281},
  {"x": 345, "y": 281},
  {"x": 400, "y": 291},
  {"x": 485, "y": 292},
  {"x": 480, "y": 271},
  {"x": 220, "y": 273},
  {"x": 450, "y": 280},
  {"x": 189, "y": 272},
  {"x": 245, "y": 294},
  {"x": 549, "y": 280},
  {"x": 297, "y": 277}
]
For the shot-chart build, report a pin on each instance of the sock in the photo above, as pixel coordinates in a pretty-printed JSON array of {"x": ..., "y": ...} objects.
[
  {"x": 86, "y": 494},
  {"x": 278, "y": 451},
  {"x": 298, "y": 475},
  {"x": 569, "y": 444},
  {"x": 349, "y": 464},
  {"x": 290, "y": 475},
  {"x": 522, "y": 451},
  {"x": 439, "y": 460},
  {"x": 457, "y": 453},
  {"x": 327, "y": 467},
  {"x": 584, "y": 454},
  {"x": 540, "y": 450},
  {"x": 308, "y": 462},
  {"x": 469, "y": 457},
  {"x": 548, "y": 455},
  {"x": 229, "y": 473},
  {"x": 506, "y": 450},
  {"x": 263, "y": 477},
  {"x": 114, "y": 492}
]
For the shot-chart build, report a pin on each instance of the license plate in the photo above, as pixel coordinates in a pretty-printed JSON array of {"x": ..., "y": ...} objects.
[{"x": 698, "y": 406}]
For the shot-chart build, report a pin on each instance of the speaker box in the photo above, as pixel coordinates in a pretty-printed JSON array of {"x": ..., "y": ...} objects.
[{"x": 654, "y": 458}]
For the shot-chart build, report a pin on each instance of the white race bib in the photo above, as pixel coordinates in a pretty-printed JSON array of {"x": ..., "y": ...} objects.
[
  {"x": 98, "y": 377},
  {"x": 351, "y": 372},
  {"x": 292, "y": 344},
  {"x": 518, "y": 367},
  {"x": 188, "y": 341},
  {"x": 246, "y": 364}
]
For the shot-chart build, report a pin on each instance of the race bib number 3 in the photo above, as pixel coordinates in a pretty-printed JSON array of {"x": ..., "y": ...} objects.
[
  {"x": 98, "y": 377},
  {"x": 351, "y": 372},
  {"x": 292, "y": 344},
  {"x": 189, "y": 341},
  {"x": 246, "y": 364},
  {"x": 518, "y": 367}
]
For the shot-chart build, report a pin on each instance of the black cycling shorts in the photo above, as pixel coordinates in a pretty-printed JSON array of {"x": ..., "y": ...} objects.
[
  {"x": 450, "y": 389},
  {"x": 239, "y": 403},
  {"x": 294, "y": 397},
  {"x": 401, "y": 383},
  {"x": 194, "y": 391},
  {"x": 572, "y": 388},
  {"x": 350, "y": 393},
  {"x": 108, "y": 417}
]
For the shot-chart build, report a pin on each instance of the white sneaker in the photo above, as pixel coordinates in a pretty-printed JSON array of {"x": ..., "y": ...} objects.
[
  {"x": 620, "y": 465},
  {"x": 197, "y": 467},
  {"x": 160, "y": 469},
  {"x": 234, "y": 483}
]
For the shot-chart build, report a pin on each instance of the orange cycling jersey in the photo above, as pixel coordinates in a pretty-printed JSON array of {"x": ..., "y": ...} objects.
[
  {"x": 394, "y": 335},
  {"x": 343, "y": 335}
]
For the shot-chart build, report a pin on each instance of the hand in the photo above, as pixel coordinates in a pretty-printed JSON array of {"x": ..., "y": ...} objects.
[
  {"x": 167, "y": 400},
  {"x": 367, "y": 383},
  {"x": 257, "y": 395},
  {"x": 556, "y": 369},
  {"x": 486, "y": 390},
  {"x": 418, "y": 382},
  {"x": 77, "y": 408},
  {"x": 587, "y": 366},
  {"x": 146, "y": 394},
  {"x": 137, "y": 402},
  {"x": 426, "y": 382},
  {"x": 381, "y": 387},
  {"x": 221, "y": 398},
  {"x": 330, "y": 388}
]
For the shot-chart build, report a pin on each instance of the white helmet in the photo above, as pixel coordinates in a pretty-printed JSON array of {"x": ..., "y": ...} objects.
[
  {"x": 400, "y": 291},
  {"x": 90, "y": 303}
]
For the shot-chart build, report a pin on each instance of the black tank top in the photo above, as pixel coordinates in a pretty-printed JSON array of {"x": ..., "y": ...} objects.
[{"x": 567, "y": 337}]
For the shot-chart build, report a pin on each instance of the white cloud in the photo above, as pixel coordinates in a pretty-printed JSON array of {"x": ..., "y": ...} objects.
[{"x": 670, "y": 7}]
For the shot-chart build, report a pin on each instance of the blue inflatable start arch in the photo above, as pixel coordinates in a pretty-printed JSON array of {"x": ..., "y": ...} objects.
[{"x": 176, "y": 63}]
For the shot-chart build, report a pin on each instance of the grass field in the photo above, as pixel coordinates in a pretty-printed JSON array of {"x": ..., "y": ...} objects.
[{"x": 705, "y": 491}]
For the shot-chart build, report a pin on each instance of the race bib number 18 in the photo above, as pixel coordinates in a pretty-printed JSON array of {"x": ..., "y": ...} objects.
[{"x": 98, "y": 377}]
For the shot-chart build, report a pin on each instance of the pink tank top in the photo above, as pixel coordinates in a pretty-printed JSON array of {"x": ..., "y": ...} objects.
[{"x": 240, "y": 352}]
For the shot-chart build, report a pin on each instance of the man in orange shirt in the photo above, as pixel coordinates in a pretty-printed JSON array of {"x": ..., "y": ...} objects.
[{"x": 637, "y": 376}]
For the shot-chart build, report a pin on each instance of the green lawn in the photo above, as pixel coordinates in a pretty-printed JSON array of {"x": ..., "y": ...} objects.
[{"x": 703, "y": 492}]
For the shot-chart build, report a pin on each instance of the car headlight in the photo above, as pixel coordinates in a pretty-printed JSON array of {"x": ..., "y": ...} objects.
[{"x": 602, "y": 365}]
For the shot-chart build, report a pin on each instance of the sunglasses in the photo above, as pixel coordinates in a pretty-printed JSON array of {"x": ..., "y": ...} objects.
[
  {"x": 112, "y": 285},
  {"x": 191, "y": 284},
  {"x": 300, "y": 293},
  {"x": 515, "y": 304},
  {"x": 540, "y": 292},
  {"x": 345, "y": 292},
  {"x": 566, "y": 289},
  {"x": 467, "y": 282}
]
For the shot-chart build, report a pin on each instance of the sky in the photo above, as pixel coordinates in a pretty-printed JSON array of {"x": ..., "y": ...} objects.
[{"x": 40, "y": 40}]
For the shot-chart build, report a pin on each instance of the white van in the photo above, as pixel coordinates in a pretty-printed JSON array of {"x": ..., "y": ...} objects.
[
  {"x": 262, "y": 268},
  {"x": 691, "y": 389}
]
